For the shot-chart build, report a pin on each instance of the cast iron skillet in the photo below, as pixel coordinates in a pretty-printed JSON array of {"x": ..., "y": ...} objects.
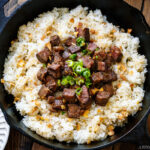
[{"x": 119, "y": 13}]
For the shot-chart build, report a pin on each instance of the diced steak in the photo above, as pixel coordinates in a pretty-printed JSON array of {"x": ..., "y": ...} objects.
[
  {"x": 102, "y": 98},
  {"x": 57, "y": 104},
  {"x": 97, "y": 77},
  {"x": 51, "y": 83},
  {"x": 84, "y": 97},
  {"x": 51, "y": 99},
  {"x": 55, "y": 40},
  {"x": 79, "y": 55},
  {"x": 109, "y": 76},
  {"x": 54, "y": 67},
  {"x": 42, "y": 74},
  {"x": 100, "y": 55},
  {"x": 88, "y": 62},
  {"x": 74, "y": 48},
  {"x": 59, "y": 95},
  {"x": 69, "y": 95},
  {"x": 91, "y": 47},
  {"x": 44, "y": 91},
  {"x": 109, "y": 60},
  {"x": 73, "y": 111},
  {"x": 58, "y": 48},
  {"x": 101, "y": 66},
  {"x": 70, "y": 41},
  {"x": 67, "y": 70},
  {"x": 57, "y": 58},
  {"x": 116, "y": 53},
  {"x": 43, "y": 55},
  {"x": 109, "y": 88},
  {"x": 65, "y": 54}
]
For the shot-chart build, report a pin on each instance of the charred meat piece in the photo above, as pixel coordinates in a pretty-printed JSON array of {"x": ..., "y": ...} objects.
[
  {"x": 57, "y": 104},
  {"x": 43, "y": 55},
  {"x": 91, "y": 47},
  {"x": 69, "y": 95},
  {"x": 65, "y": 54},
  {"x": 73, "y": 111},
  {"x": 42, "y": 74},
  {"x": 109, "y": 76},
  {"x": 70, "y": 41},
  {"x": 97, "y": 77},
  {"x": 100, "y": 55},
  {"x": 88, "y": 62},
  {"x": 109, "y": 88},
  {"x": 51, "y": 99},
  {"x": 116, "y": 53},
  {"x": 44, "y": 91},
  {"x": 84, "y": 97},
  {"x": 59, "y": 95},
  {"x": 74, "y": 48},
  {"x": 51, "y": 83},
  {"x": 83, "y": 33},
  {"x": 57, "y": 58},
  {"x": 67, "y": 70},
  {"x": 102, "y": 98},
  {"x": 58, "y": 48},
  {"x": 101, "y": 66},
  {"x": 109, "y": 60},
  {"x": 79, "y": 55},
  {"x": 55, "y": 40},
  {"x": 54, "y": 67}
]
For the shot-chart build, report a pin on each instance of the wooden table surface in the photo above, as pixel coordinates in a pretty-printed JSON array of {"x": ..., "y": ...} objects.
[{"x": 19, "y": 142}]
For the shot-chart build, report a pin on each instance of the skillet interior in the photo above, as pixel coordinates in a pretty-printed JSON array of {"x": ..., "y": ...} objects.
[{"x": 118, "y": 13}]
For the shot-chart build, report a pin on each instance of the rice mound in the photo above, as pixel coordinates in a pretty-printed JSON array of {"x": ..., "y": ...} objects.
[{"x": 21, "y": 67}]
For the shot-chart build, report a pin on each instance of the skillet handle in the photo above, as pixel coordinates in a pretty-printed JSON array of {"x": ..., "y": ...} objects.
[
  {"x": 7, "y": 7},
  {"x": 139, "y": 135}
]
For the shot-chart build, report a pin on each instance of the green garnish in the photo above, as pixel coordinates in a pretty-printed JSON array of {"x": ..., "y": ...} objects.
[
  {"x": 79, "y": 81},
  {"x": 67, "y": 80},
  {"x": 63, "y": 112},
  {"x": 59, "y": 82},
  {"x": 80, "y": 41},
  {"x": 44, "y": 65},
  {"x": 97, "y": 49},
  {"x": 86, "y": 73},
  {"x": 79, "y": 69},
  {"x": 88, "y": 83},
  {"x": 73, "y": 56},
  {"x": 96, "y": 57},
  {"x": 84, "y": 51},
  {"x": 70, "y": 63},
  {"x": 78, "y": 91}
]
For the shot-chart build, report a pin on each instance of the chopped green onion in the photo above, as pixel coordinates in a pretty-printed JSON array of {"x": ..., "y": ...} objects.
[
  {"x": 84, "y": 51},
  {"x": 70, "y": 63},
  {"x": 80, "y": 41},
  {"x": 79, "y": 81},
  {"x": 63, "y": 112},
  {"x": 73, "y": 56},
  {"x": 97, "y": 49},
  {"x": 88, "y": 83},
  {"x": 79, "y": 69},
  {"x": 96, "y": 57},
  {"x": 44, "y": 65},
  {"x": 68, "y": 80},
  {"x": 78, "y": 91},
  {"x": 86, "y": 73},
  {"x": 59, "y": 82},
  {"x": 64, "y": 81}
]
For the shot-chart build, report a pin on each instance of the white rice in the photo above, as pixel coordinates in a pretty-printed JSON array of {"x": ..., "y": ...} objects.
[{"x": 21, "y": 67}]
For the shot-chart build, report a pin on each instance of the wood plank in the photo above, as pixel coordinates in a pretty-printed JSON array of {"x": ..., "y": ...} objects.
[
  {"x": 135, "y": 3},
  {"x": 39, "y": 147},
  {"x": 17, "y": 141},
  {"x": 124, "y": 146},
  {"x": 146, "y": 11}
]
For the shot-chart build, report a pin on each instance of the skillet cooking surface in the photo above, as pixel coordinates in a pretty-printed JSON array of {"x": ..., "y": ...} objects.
[{"x": 117, "y": 12}]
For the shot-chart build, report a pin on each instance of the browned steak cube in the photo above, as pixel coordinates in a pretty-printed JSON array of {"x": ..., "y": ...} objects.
[
  {"x": 51, "y": 83},
  {"x": 97, "y": 77},
  {"x": 74, "y": 48},
  {"x": 109, "y": 88},
  {"x": 86, "y": 34},
  {"x": 101, "y": 66},
  {"x": 43, "y": 55},
  {"x": 109, "y": 76},
  {"x": 100, "y": 55},
  {"x": 57, "y": 58},
  {"x": 54, "y": 67},
  {"x": 51, "y": 99},
  {"x": 69, "y": 95},
  {"x": 67, "y": 70},
  {"x": 57, "y": 104},
  {"x": 55, "y": 40},
  {"x": 65, "y": 54},
  {"x": 42, "y": 74},
  {"x": 88, "y": 62},
  {"x": 116, "y": 53},
  {"x": 70, "y": 41},
  {"x": 73, "y": 111},
  {"x": 102, "y": 98},
  {"x": 91, "y": 47},
  {"x": 58, "y": 48},
  {"x": 44, "y": 91}
]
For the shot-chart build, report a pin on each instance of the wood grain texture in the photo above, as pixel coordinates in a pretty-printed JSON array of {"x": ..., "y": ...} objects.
[
  {"x": 135, "y": 3},
  {"x": 146, "y": 11},
  {"x": 18, "y": 142}
]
